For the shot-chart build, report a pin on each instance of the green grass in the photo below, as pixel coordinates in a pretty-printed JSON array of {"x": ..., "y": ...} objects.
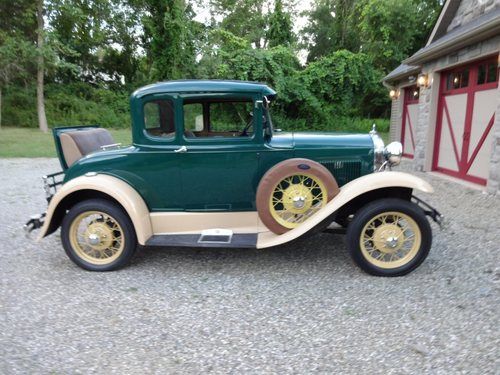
[{"x": 31, "y": 143}]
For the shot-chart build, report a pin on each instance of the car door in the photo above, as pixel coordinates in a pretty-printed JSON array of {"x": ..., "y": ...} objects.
[
  {"x": 154, "y": 168},
  {"x": 220, "y": 161}
]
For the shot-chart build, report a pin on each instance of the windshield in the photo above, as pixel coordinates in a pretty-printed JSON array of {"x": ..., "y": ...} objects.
[{"x": 267, "y": 124}]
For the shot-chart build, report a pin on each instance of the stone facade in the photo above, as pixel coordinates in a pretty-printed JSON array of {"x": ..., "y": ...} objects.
[
  {"x": 395, "y": 118},
  {"x": 469, "y": 10},
  {"x": 494, "y": 179}
]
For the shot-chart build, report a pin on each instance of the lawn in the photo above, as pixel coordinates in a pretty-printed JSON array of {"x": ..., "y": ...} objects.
[{"x": 31, "y": 143}]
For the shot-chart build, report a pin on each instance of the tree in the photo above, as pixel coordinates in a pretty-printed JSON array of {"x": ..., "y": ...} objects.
[
  {"x": 16, "y": 48},
  {"x": 168, "y": 38},
  {"x": 40, "y": 100},
  {"x": 14, "y": 55},
  {"x": 243, "y": 18},
  {"x": 393, "y": 29},
  {"x": 331, "y": 27},
  {"x": 280, "y": 27}
]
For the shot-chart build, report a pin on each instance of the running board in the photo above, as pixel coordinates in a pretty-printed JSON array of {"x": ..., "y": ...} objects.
[{"x": 242, "y": 240}]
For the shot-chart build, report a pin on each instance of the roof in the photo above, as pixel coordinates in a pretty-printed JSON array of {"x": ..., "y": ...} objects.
[
  {"x": 488, "y": 25},
  {"x": 401, "y": 71},
  {"x": 199, "y": 86},
  {"x": 446, "y": 15}
]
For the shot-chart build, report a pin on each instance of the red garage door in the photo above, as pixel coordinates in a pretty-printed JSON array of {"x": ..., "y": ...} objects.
[
  {"x": 410, "y": 118},
  {"x": 466, "y": 113}
]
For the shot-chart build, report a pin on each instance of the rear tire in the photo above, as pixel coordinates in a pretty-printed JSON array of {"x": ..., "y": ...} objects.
[
  {"x": 98, "y": 235},
  {"x": 389, "y": 237}
]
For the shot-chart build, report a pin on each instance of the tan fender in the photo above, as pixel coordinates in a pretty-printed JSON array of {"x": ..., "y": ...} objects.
[
  {"x": 348, "y": 192},
  {"x": 127, "y": 196}
]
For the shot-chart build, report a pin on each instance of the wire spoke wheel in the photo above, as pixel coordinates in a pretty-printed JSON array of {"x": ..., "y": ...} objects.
[
  {"x": 96, "y": 237},
  {"x": 390, "y": 240},
  {"x": 296, "y": 198}
]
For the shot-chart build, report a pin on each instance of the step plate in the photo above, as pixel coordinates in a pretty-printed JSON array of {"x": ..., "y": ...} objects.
[{"x": 243, "y": 240}]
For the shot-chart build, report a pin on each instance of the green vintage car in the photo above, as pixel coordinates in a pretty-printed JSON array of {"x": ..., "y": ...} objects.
[{"x": 207, "y": 168}]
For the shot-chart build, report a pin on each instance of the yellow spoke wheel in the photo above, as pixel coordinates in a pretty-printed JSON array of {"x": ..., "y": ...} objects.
[
  {"x": 389, "y": 237},
  {"x": 96, "y": 237},
  {"x": 296, "y": 198},
  {"x": 390, "y": 240}
]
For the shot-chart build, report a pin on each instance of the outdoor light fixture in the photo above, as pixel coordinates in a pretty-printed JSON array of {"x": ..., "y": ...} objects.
[
  {"x": 394, "y": 94},
  {"x": 423, "y": 80}
]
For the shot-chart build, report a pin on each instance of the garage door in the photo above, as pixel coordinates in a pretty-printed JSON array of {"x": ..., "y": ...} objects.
[
  {"x": 410, "y": 117},
  {"x": 466, "y": 113}
]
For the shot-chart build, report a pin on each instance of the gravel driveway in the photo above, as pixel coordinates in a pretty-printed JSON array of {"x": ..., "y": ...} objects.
[{"x": 301, "y": 308}]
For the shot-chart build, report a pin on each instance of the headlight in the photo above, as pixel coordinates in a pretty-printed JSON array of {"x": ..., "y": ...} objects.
[
  {"x": 378, "y": 149},
  {"x": 393, "y": 153}
]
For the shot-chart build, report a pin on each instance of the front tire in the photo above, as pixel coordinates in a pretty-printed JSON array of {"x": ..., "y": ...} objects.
[
  {"x": 98, "y": 235},
  {"x": 389, "y": 237}
]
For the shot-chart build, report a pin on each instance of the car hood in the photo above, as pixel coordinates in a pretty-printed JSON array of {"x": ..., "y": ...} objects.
[{"x": 329, "y": 140}]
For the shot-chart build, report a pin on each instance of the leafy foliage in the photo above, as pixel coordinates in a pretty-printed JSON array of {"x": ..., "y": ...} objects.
[{"x": 97, "y": 51}]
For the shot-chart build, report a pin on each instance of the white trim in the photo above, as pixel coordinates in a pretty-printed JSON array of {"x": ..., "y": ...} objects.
[
  {"x": 196, "y": 222},
  {"x": 347, "y": 193}
]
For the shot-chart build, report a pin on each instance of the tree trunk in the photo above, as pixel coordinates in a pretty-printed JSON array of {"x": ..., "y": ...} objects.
[
  {"x": 40, "y": 101},
  {"x": 0, "y": 108}
]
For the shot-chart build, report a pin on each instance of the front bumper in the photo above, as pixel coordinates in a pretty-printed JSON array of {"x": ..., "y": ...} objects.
[
  {"x": 430, "y": 211},
  {"x": 35, "y": 222}
]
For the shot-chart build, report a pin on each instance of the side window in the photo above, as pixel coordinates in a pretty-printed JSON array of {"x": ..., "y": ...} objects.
[
  {"x": 159, "y": 118},
  {"x": 231, "y": 117},
  {"x": 218, "y": 118},
  {"x": 193, "y": 118}
]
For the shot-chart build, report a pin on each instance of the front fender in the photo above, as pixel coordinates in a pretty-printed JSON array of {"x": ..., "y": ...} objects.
[
  {"x": 348, "y": 192},
  {"x": 119, "y": 190}
]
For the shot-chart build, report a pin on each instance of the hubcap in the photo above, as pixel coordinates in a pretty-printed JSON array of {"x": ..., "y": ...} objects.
[
  {"x": 299, "y": 202},
  {"x": 390, "y": 240},
  {"x": 296, "y": 198},
  {"x": 96, "y": 237}
]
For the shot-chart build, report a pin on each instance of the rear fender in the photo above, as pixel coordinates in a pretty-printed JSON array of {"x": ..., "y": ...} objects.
[
  {"x": 348, "y": 192},
  {"x": 77, "y": 189}
]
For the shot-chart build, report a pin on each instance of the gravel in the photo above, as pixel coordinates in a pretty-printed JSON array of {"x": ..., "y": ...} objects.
[{"x": 301, "y": 308}]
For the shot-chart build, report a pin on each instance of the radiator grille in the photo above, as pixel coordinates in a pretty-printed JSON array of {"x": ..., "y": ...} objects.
[{"x": 343, "y": 170}]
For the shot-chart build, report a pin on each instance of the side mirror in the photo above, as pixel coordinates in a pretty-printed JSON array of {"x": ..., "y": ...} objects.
[{"x": 198, "y": 123}]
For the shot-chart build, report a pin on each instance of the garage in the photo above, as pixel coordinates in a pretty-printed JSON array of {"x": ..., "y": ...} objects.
[
  {"x": 446, "y": 98},
  {"x": 466, "y": 115}
]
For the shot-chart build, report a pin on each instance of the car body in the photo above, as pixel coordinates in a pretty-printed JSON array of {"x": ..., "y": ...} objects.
[{"x": 207, "y": 168}]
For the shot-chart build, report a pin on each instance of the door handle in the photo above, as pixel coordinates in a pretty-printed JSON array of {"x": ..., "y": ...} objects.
[{"x": 181, "y": 149}]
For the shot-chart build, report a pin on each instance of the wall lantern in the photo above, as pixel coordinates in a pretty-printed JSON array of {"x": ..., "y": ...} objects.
[
  {"x": 423, "y": 80},
  {"x": 394, "y": 94}
]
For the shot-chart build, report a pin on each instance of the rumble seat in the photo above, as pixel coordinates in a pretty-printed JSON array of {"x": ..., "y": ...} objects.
[{"x": 76, "y": 144}]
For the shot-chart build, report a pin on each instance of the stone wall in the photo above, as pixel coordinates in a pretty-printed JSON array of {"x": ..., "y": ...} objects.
[
  {"x": 469, "y": 10},
  {"x": 395, "y": 117},
  {"x": 493, "y": 185}
]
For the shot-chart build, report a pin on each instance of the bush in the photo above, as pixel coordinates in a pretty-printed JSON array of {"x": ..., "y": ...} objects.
[{"x": 68, "y": 104}]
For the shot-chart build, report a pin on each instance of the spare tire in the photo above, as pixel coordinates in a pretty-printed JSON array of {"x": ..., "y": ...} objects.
[{"x": 292, "y": 191}]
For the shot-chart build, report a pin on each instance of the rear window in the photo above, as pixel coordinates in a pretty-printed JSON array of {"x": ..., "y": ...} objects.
[{"x": 159, "y": 118}]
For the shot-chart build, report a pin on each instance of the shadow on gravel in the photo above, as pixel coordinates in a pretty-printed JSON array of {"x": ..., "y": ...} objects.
[{"x": 321, "y": 249}]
